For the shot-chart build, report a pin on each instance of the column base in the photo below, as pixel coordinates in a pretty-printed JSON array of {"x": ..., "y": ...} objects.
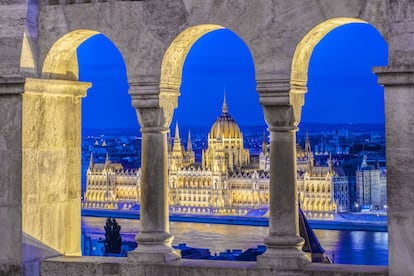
[
  {"x": 158, "y": 253},
  {"x": 283, "y": 258}
]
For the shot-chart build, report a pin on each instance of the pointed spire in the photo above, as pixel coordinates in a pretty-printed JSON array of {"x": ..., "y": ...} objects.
[
  {"x": 309, "y": 154},
  {"x": 264, "y": 144},
  {"x": 177, "y": 132},
  {"x": 107, "y": 161},
  {"x": 177, "y": 141},
  {"x": 225, "y": 109},
  {"x": 307, "y": 143},
  {"x": 330, "y": 163},
  {"x": 189, "y": 144},
  {"x": 91, "y": 163}
]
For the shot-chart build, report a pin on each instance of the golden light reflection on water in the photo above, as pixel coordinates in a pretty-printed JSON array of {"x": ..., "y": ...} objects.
[
  {"x": 348, "y": 247},
  {"x": 216, "y": 237}
]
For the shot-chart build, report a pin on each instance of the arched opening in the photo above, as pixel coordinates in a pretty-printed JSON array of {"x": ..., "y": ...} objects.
[
  {"x": 61, "y": 61},
  {"x": 51, "y": 142},
  {"x": 302, "y": 56},
  {"x": 336, "y": 74},
  {"x": 109, "y": 124},
  {"x": 171, "y": 80},
  {"x": 217, "y": 65}
]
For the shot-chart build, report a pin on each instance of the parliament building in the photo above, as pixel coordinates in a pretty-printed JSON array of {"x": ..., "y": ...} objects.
[{"x": 226, "y": 182}]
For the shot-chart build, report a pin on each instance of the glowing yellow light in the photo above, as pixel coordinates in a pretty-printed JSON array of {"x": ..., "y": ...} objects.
[
  {"x": 301, "y": 58},
  {"x": 51, "y": 138},
  {"x": 173, "y": 60},
  {"x": 27, "y": 62},
  {"x": 303, "y": 52},
  {"x": 62, "y": 62}
]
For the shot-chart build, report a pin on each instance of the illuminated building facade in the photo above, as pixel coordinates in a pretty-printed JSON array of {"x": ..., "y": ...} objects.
[
  {"x": 220, "y": 184},
  {"x": 40, "y": 104},
  {"x": 371, "y": 184},
  {"x": 225, "y": 182},
  {"x": 323, "y": 190},
  {"x": 225, "y": 144},
  {"x": 110, "y": 186},
  {"x": 214, "y": 186}
]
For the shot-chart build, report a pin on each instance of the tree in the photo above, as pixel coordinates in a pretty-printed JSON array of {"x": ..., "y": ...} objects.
[{"x": 113, "y": 238}]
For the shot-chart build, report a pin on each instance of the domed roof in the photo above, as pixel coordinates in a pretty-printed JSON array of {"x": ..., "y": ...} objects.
[{"x": 225, "y": 126}]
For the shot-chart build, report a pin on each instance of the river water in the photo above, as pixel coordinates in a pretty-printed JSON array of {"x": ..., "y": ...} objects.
[{"x": 344, "y": 247}]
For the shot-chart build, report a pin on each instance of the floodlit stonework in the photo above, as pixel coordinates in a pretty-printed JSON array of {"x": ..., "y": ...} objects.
[
  {"x": 225, "y": 182},
  {"x": 110, "y": 186},
  {"x": 280, "y": 35},
  {"x": 51, "y": 164}
]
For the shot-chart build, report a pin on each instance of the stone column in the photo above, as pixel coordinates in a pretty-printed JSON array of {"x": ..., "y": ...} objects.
[
  {"x": 154, "y": 239},
  {"x": 51, "y": 162},
  {"x": 11, "y": 90},
  {"x": 399, "y": 115},
  {"x": 283, "y": 242}
]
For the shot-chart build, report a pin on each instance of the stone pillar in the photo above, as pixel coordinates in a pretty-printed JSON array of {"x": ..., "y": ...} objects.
[
  {"x": 399, "y": 114},
  {"x": 51, "y": 169},
  {"x": 154, "y": 239},
  {"x": 283, "y": 242},
  {"x": 11, "y": 90}
]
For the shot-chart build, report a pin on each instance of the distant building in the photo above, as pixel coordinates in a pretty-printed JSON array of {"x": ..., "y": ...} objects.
[
  {"x": 226, "y": 182},
  {"x": 110, "y": 186},
  {"x": 323, "y": 190},
  {"x": 371, "y": 183},
  {"x": 223, "y": 182}
]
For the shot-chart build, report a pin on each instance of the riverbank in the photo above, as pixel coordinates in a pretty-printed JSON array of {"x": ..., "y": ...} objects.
[{"x": 351, "y": 222}]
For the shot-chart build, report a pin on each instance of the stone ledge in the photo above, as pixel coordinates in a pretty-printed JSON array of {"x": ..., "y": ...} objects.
[
  {"x": 120, "y": 266},
  {"x": 11, "y": 85},
  {"x": 395, "y": 76}
]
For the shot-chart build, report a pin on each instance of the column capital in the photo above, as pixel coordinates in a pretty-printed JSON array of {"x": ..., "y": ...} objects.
[
  {"x": 154, "y": 104},
  {"x": 395, "y": 76},
  {"x": 273, "y": 91},
  {"x": 54, "y": 87},
  {"x": 282, "y": 102}
]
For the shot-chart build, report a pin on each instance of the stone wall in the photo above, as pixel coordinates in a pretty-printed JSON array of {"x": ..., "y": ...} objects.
[
  {"x": 119, "y": 266},
  {"x": 12, "y": 26},
  {"x": 143, "y": 30},
  {"x": 120, "y": 21},
  {"x": 10, "y": 175}
]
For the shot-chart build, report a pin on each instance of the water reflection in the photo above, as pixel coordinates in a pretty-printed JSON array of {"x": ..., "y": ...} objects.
[
  {"x": 346, "y": 247},
  {"x": 218, "y": 237},
  {"x": 355, "y": 247}
]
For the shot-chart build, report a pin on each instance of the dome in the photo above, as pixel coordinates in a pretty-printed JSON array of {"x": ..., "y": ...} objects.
[{"x": 225, "y": 126}]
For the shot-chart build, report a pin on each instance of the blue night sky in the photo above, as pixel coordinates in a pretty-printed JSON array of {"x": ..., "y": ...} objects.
[{"x": 341, "y": 87}]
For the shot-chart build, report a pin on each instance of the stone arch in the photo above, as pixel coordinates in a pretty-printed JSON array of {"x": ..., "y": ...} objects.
[
  {"x": 61, "y": 61},
  {"x": 172, "y": 66},
  {"x": 51, "y": 106},
  {"x": 174, "y": 57},
  {"x": 303, "y": 51},
  {"x": 302, "y": 56}
]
